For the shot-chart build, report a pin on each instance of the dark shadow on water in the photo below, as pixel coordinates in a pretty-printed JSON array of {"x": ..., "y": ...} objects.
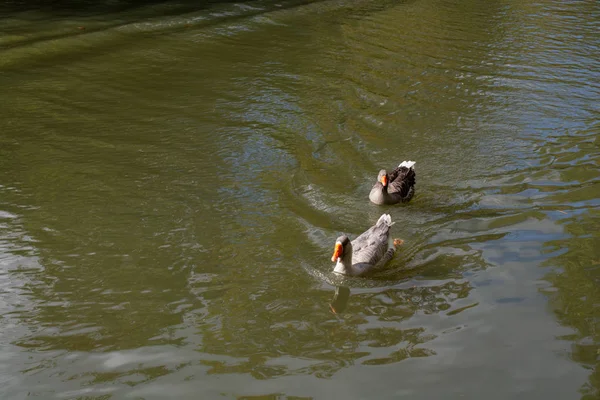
[
  {"x": 64, "y": 6},
  {"x": 90, "y": 7}
]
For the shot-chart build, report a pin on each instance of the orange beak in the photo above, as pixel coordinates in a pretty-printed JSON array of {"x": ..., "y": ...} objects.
[
  {"x": 384, "y": 180},
  {"x": 337, "y": 252}
]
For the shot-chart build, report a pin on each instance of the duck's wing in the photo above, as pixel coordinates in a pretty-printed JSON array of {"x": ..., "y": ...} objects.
[
  {"x": 371, "y": 245},
  {"x": 402, "y": 182}
]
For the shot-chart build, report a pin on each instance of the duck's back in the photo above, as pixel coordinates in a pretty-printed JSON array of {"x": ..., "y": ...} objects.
[
  {"x": 402, "y": 182},
  {"x": 370, "y": 246}
]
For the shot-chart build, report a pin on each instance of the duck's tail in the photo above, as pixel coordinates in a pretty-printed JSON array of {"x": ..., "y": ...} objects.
[
  {"x": 385, "y": 219},
  {"x": 407, "y": 164}
]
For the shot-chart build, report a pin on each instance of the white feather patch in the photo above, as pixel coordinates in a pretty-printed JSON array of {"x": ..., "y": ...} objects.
[
  {"x": 407, "y": 164},
  {"x": 386, "y": 219}
]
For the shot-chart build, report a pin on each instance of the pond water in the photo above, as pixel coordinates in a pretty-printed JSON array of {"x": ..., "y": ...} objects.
[{"x": 173, "y": 176}]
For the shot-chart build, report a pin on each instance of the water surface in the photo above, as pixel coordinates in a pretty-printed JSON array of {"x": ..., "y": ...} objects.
[{"x": 173, "y": 177}]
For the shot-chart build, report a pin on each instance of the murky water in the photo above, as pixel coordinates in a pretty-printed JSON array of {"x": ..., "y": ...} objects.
[{"x": 173, "y": 177}]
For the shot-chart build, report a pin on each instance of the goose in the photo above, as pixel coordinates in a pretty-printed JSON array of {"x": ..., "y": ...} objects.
[
  {"x": 396, "y": 187},
  {"x": 369, "y": 251}
]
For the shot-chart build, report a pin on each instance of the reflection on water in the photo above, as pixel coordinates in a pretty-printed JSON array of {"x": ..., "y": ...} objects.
[
  {"x": 340, "y": 299},
  {"x": 172, "y": 178}
]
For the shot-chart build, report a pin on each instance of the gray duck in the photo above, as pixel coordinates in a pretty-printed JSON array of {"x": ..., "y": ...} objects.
[
  {"x": 368, "y": 252},
  {"x": 395, "y": 187}
]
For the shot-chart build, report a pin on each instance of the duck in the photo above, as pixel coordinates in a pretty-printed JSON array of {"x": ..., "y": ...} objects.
[
  {"x": 368, "y": 252},
  {"x": 396, "y": 187}
]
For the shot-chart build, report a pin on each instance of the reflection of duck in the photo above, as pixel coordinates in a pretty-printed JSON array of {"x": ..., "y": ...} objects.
[
  {"x": 371, "y": 249},
  {"x": 396, "y": 187},
  {"x": 340, "y": 299}
]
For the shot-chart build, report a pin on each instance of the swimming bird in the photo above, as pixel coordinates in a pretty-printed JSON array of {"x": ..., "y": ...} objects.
[
  {"x": 396, "y": 187},
  {"x": 368, "y": 252}
]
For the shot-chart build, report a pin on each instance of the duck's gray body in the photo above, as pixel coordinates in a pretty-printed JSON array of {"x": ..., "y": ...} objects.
[
  {"x": 369, "y": 251},
  {"x": 400, "y": 186}
]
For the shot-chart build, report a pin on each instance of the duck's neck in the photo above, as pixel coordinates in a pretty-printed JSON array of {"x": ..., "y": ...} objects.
[
  {"x": 380, "y": 196},
  {"x": 344, "y": 264}
]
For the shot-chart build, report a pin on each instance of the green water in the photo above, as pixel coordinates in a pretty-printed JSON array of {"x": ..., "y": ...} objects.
[{"x": 173, "y": 177}]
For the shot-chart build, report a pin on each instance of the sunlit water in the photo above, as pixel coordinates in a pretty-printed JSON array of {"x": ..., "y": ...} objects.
[{"x": 173, "y": 177}]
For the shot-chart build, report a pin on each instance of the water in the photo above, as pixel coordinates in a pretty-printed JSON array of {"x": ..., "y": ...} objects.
[{"x": 173, "y": 176}]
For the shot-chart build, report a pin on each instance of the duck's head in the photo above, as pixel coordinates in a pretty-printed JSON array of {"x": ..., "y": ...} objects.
[
  {"x": 383, "y": 177},
  {"x": 341, "y": 247}
]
